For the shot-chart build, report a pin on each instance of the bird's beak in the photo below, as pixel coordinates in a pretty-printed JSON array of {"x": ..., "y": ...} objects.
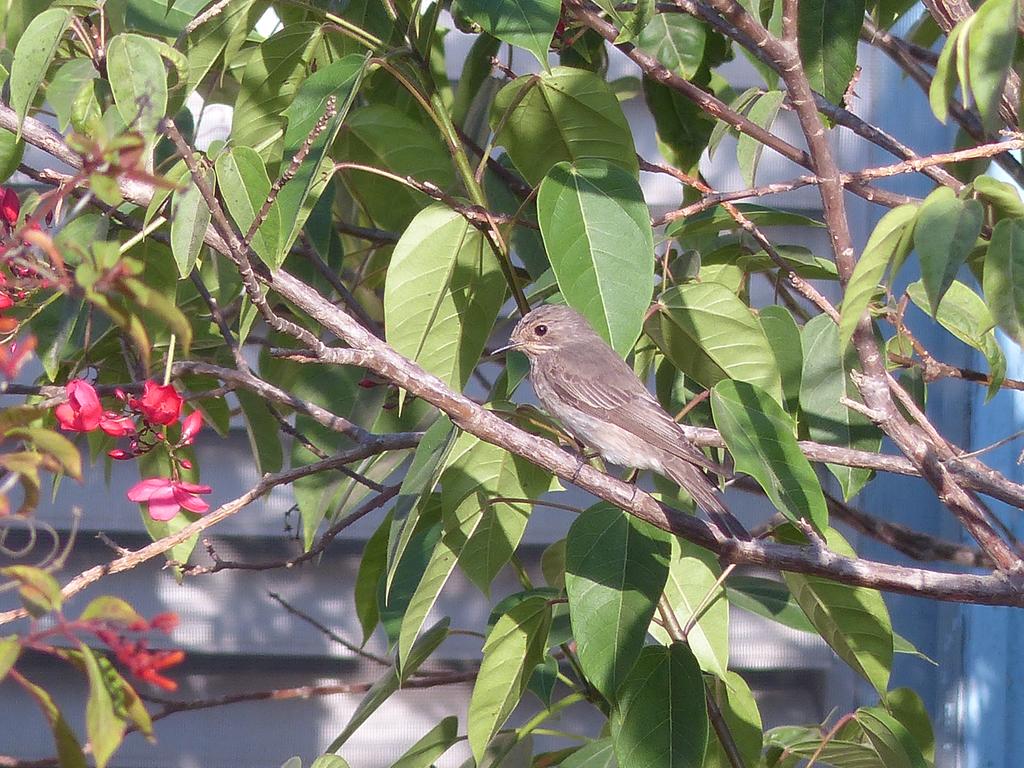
[{"x": 506, "y": 348}]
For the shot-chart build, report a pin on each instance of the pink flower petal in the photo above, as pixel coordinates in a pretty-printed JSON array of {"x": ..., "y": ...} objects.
[
  {"x": 144, "y": 489},
  {"x": 163, "y": 504},
  {"x": 192, "y": 503},
  {"x": 194, "y": 488}
]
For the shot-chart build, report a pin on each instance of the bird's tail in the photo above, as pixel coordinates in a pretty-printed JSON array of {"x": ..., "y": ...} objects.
[{"x": 707, "y": 496}]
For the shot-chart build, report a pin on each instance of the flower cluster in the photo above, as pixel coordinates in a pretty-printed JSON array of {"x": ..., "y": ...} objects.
[
  {"x": 143, "y": 420},
  {"x": 143, "y": 662}
]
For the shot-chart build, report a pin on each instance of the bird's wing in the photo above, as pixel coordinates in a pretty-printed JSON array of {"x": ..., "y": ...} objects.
[{"x": 617, "y": 396}]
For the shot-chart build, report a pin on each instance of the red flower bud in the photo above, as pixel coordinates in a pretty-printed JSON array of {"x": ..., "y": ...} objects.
[
  {"x": 190, "y": 427},
  {"x": 119, "y": 455},
  {"x": 10, "y": 207}
]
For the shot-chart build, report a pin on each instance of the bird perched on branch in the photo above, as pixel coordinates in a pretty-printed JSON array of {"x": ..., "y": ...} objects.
[{"x": 583, "y": 382}]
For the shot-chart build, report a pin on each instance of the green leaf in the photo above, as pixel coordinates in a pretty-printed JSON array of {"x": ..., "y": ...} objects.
[
  {"x": 717, "y": 220},
  {"x": 69, "y": 751},
  {"x": 748, "y": 150},
  {"x": 435, "y": 743},
  {"x": 660, "y": 719},
  {"x": 299, "y": 195},
  {"x": 10, "y": 649},
  {"x": 597, "y": 232},
  {"x": 39, "y": 591},
  {"x": 676, "y": 41},
  {"x": 692, "y": 574},
  {"x": 889, "y": 243},
  {"x": 528, "y": 24},
  {"x": 411, "y": 578},
  {"x": 1004, "y": 277},
  {"x": 137, "y": 78},
  {"x": 596, "y": 754},
  {"x": 906, "y": 706},
  {"x": 564, "y": 115},
  {"x": 53, "y": 444},
  {"x": 683, "y": 129},
  {"x": 106, "y": 730},
  {"x": 827, "y": 34},
  {"x": 892, "y": 742},
  {"x": 391, "y": 681},
  {"x": 784, "y": 338},
  {"x": 12, "y": 149},
  {"x": 852, "y": 620},
  {"x": 164, "y": 307},
  {"x": 269, "y": 82},
  {"x": 1003, "y": 197},
  {"x": 761, "y": 438},
  {"x": 826, "y": 379},
  {"x": 739, "y": 709},
  {"x": 32, "y": 57},
  {"x": 616, "y": 569},
  {"x": 475, "y": 473},
  {"x": 443, "y": 292},
  {"x": 512, "y": 649},
  {"x": 244, "y": 184},
  {"x": 419, "y": 482},
  {"x": 262, "y": 429},
  {"x": 946, "y": 231},
  {"x": 368, "y": 578},
  {"x": 109, "y": 608},
  {"x": 328, "y": 761},
  {"x": 768, "y": 598},
  {"x": 711, "y": 335},
  {"x": 381, "y": 136},
  {"x": 991, "y": 42},
  {"x": 940, "y": 93},
  {"x": 964, "y": 314},
  {"x": 190, "y": 217}
]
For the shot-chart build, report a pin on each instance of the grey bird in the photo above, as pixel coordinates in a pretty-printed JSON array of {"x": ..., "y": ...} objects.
[{"x": 583, "y": 382}]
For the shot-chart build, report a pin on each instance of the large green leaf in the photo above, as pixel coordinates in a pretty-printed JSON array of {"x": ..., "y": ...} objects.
[
  {"x": 692, "y": 575},
  {"x": 906, "y": 706},
  {"x": 382, "y": 136},
  {"x": 991, "y": 42},
  {"x": 828, "y": 33},
  {"x": 391, "y": 681},
  {"x": 597, "y": 232},
  {"x": 244, "y": 184},
  {"x": 565, "y": 115},
  {"x": 69, "y": 751},
  {"x": 783, "y": 335},
  {"x": 529, "y": 24},
  {"x": 269, "y": 82},
  {"x": 32, "y": 57},
  {"x": 1004, "y": 277},
  {"x": 616, "y": 567},
  {"x": 513, "y": 648},
  {"x": 676, "y": 40},
  {"x": 435, "y": 743},
  {"x": 852, "y": 620},
  {"x": 1002, "y": 196},
  {"x": 761, "y": 438},
  {"x": 893, "y": 744},
  {"x": 224, "y": 33},
  {"x": 475, "y": 473},
  {"x": 138, "y": 80},
  {"x": 964, "y": 314},
  {"x": 596, "y": 754},
  {"x": 683, "y": 129},
  {"x": 889, "y": 243},
  {"x": 105, "y": 728},
  {"x": 946, "y": 231},
  {"x": 371, "y": 571},
  {"x": 417, "y": 486},
  {"x": 660, "y": 719},
  {"x": 711, "y": 335},
  {"x": 739, "y": 709},
  {"x": 748, "y": 149},
  {"x": 825, "y": 380},
  {"x": 190, "y": 217},
  {"x": 295, "y": 201},
  {"x": 717, "y": 219},
  {"x": 443, "y": 292},
  {"x": 768, "y": 598}
]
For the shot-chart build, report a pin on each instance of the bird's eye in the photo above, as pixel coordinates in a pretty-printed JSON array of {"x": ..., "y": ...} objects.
[{"x": 540, "y": 330}]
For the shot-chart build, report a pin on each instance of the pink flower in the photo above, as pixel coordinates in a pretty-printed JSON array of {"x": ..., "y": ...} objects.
[
  {"x": 190, "y": 427},
  {"x": 10, "y": 207},
  {"x": 159, "y": 404},
  {"x": 82, "y": 412},
  {"x": 165, "y": 497},
  {"x": 117, "y": 426}
]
